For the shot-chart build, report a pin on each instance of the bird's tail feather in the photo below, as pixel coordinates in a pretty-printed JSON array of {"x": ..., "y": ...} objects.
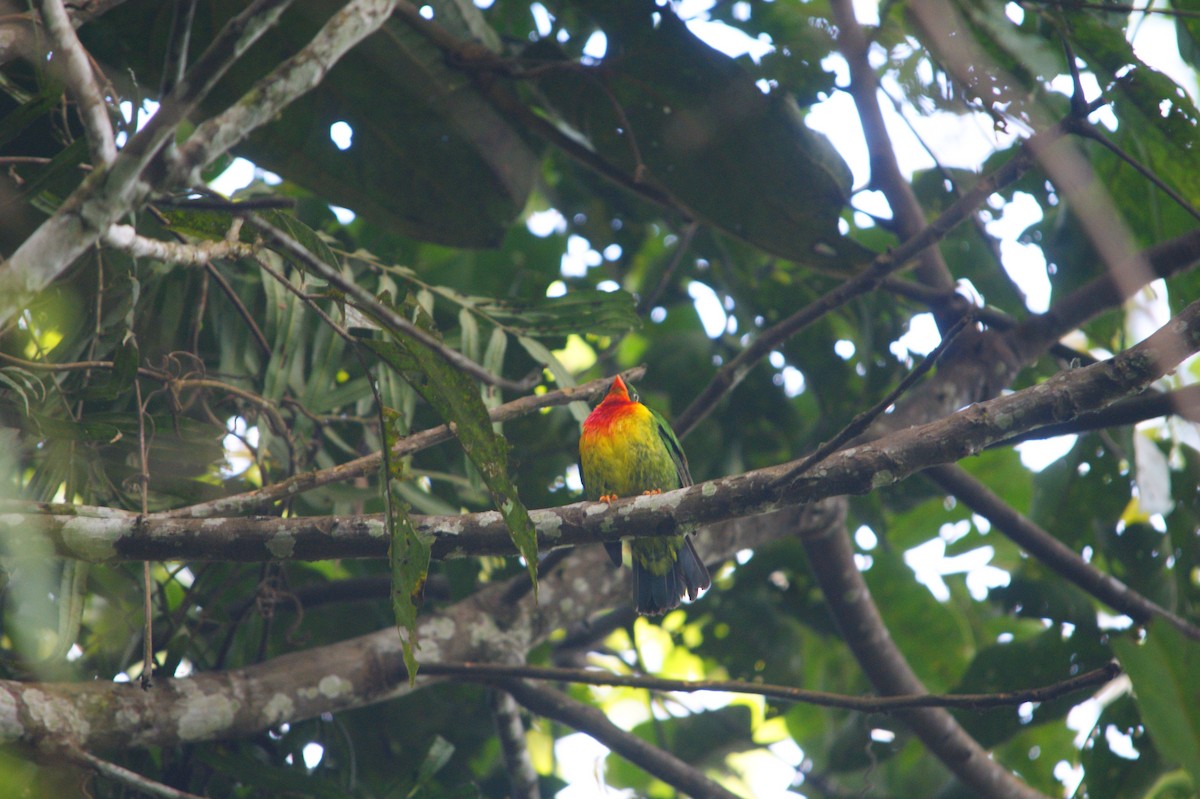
[{"x": 656, "y": 594}]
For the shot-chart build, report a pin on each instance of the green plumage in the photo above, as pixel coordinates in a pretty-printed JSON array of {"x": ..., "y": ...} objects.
[{"x": 627, "y": 449}]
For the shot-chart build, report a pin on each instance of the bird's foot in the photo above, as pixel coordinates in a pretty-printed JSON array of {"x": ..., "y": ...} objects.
[
  {"x": 651, "y": 492},
  {"x": 607, "y": 498}
]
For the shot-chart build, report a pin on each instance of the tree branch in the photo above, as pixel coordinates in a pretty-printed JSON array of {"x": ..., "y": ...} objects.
[
  {"x": 492, "y": 672},
  {"x": 80, "y": 78},
  {"x": 522, "y": 777},
  {"x": 106, "y": 195},
  {"x": 364, "y": 670},
  {"x": 908, "y": 215},
  {"x": 1055, "y": 555},
  {"x": 856, "y": 470},
  {"x": 585, "y": 718},
  {"x": 262, "y": 498}
]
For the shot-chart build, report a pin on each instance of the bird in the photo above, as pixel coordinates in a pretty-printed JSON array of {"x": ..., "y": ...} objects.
[{"x": 626, "y": 449}]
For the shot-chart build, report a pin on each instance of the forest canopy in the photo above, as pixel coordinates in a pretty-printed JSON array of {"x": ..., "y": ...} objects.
[{"x": 302, "y": 305}]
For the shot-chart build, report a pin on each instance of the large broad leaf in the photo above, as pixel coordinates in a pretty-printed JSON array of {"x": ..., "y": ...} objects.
[
  {"x": 1165, "y": 670},
  {"x": 672, "y": 112},
  {"x": 455, "y": 397},
  {"x": 422, "y": 132}
]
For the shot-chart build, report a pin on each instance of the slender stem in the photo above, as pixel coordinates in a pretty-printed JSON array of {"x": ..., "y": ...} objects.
[{"x": 487, "y": 672}]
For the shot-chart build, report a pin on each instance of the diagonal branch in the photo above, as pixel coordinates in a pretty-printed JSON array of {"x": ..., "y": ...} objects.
[
  {"x": 106, "y": 195},
  {"x": 885, "y": 170},
  {"x": 80, "y": 78},
  {"x": 1057, "y": 556},
  {"x": 585, "y": 718}
]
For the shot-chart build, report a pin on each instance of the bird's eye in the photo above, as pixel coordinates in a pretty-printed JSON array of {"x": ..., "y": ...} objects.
[{"x": 633, "y": 396}]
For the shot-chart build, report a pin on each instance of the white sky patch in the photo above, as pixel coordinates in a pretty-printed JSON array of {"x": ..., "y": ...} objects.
[
  {"x": 1037, "y": 455},
  {"x": 930, "y": 564},
  {"x": 580, "y": 760},
  {"x": 237, "y": 457},
  {"x": 312, "y": 752},
  {"x": 579, "y": 257},
  {"x": 341, "y": 134},
  {"x": 1155, "y": 43},
  {"x": 556, "y": 289},
  {"x": 546, "y": 223},
  {"x": 344, "y": 215},
  {"x": 543, "y": 21},
  {"x": 921, "y": 338},
  {"x": 708, "y": 306},
  {"x": 1025, "y": 263},
  {"x": 596, "y": 45}
]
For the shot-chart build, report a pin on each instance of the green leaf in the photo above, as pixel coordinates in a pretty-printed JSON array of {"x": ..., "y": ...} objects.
[
  {"x": 440, "y": 752},
  {"x": 408, "y": 554},
  {"x": 1165, "y": 670},
  {"x": 603, "y": 313},
  {"x": 455, "y": 397}
]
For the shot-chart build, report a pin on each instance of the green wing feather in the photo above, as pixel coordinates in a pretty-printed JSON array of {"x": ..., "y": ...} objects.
[{"x": 667, "y": 435}]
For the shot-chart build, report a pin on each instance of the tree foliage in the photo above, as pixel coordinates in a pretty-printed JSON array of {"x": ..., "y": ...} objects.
[{"x": 462, "y": 221}]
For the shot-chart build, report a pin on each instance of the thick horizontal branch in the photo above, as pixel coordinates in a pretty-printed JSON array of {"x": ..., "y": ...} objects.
[
  {"x": 486, "y": 626},
  {"x": 856, "y": 470}
]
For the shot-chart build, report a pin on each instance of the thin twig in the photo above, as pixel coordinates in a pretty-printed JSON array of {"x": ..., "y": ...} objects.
[
  {"x": 487, "y": 672},
  {"x": 130, "y": 779},
  {"x": 585, "y": 718},
  {"x": 259, "y": 338},
  {"x": 863, "y": 420},
  {"x": 147, "y": 676},
  {"x": 415, "y": 442}
]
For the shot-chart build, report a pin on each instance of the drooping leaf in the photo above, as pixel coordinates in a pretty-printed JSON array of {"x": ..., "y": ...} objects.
[
  {"x": 408, "y": 554},
  {"x": 456, "y": 399}
]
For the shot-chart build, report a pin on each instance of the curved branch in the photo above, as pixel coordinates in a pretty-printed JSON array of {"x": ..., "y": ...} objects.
[
  {"x": 867, "y": 636},
  {"x": 80, "y": 78}
]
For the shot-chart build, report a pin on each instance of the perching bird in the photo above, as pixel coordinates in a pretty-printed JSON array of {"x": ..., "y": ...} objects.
[{"x": 626, "y": 450}]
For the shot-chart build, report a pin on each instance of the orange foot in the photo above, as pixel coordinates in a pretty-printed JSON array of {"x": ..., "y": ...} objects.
[
  {"x": 652, "y": 491},
  {"x": 608, "y": 498}
]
